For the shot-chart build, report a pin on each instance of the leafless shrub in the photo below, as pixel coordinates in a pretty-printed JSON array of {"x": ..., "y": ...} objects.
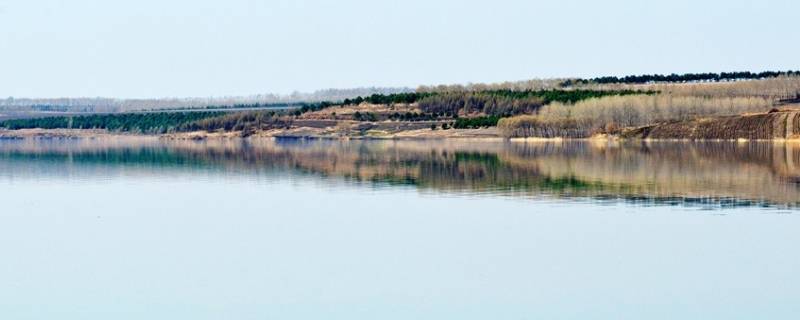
[
  {"x": 784, "y": 87},
  {"x": 238, "y": 121},
  {"x": 609, "y": 114},
  {"x": 532, "y": 85},
  {"x": 454, "y": 103}
]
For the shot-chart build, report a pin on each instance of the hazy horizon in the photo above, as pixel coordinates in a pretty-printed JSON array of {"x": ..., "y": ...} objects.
[{"x": 149, "y": 49}]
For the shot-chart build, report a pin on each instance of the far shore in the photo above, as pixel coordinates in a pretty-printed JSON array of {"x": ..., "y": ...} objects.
[{"x": 738, "y": 106}]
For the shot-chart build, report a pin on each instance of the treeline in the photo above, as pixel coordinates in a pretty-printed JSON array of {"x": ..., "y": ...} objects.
[
  {"x": 279, "y": 105},
  {"x": 49, "y": 108},
  {"x": 249, "y": 121},
  {"x": 311, "y": 107},
  {"x": 525, "y": 85},
  {"x": 163, "y": 122},
  {"x": 772, "y": 88},
  {"x": 546, "y": 96},
  {"x": 509, "y": 102},
  {"x": 132, "y": 105},
  {"x": 467, "y": 103},
  {"x": 534, "y": 126},
  {"x": 153, "y": 123},
  {"x": 246, "y": 122},
  {"x": 687, "y": 77},
  {"x": 367, "y": 116},
  {"x": 476, "y": 122},
  {"x": 417, "y": 116},
  {"x": 407, "y": 97}
]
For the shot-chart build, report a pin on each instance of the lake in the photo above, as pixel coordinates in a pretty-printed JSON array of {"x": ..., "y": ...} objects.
[{"x": 139, "y": 228}]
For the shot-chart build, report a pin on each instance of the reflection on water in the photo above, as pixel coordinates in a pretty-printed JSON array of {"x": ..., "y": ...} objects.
[
  {"x": 139, "y": 228},
  {"x": 705, "y": 174}
]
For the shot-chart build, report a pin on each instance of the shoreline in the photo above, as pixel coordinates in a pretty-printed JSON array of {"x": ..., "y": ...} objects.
[{"x": 486, "y": 134}]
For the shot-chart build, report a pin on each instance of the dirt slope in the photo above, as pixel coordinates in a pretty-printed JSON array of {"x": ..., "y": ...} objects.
[{"x": 774, "y": 125}]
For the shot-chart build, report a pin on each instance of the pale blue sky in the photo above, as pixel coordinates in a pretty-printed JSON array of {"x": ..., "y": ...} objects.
[{"x": 158, "y": 48}]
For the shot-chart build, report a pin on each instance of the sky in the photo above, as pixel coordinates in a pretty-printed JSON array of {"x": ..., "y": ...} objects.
[{"x": 203, "y": 48}]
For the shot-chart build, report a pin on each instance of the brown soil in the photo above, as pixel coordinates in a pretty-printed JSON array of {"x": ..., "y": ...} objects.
[{"x": 766, "y": 126}]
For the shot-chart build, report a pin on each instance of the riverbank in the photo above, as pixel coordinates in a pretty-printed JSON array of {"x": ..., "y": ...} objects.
[{"x": 299, "y": 132}]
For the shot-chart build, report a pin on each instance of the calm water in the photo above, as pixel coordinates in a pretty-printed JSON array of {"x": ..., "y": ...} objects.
[{"x": 142, "y": 229}]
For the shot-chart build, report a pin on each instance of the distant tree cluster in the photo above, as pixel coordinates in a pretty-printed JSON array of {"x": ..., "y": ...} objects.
[
  {"x": 407, "y": 97},
  {"x": 278, "y": 105},
  {"x": 417, "y": 116},
  {"x": 508, "y": 102},
  {"x": 168, "y": 121},
  {"x": 48, "y": 108},
  {"x": 130, "y": 105},
  {"x": 772, "y": 88},
  {"x": 466, "y": 103},
  {"x": 247, "y": 121},
  {"x": 525, "y": 85},
  {"x": 311, "y": 107},
  {"x": 687, "y": 77},
  {"x": 366, "y": 116},
  {"x": 476, "y": 122},
  {"x": 157, "y": 122}
]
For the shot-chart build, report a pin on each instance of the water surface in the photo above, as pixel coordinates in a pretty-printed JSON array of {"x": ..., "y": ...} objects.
[{"x": 294, "y": 229}]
